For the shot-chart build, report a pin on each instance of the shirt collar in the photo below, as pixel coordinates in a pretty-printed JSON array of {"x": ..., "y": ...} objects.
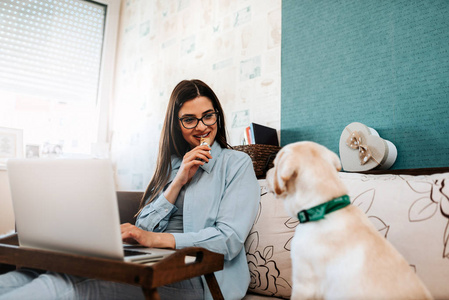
[{"x": 215, "y": 152}]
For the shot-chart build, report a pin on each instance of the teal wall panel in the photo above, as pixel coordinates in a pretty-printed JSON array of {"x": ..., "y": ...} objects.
[{"x": 381, "y": 63}]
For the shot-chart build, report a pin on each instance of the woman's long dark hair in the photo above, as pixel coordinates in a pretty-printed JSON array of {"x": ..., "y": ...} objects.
[{"x": 171, "y": 136}]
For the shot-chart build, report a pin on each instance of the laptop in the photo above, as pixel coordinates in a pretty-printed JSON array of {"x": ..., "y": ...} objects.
[{"x": 70, "y": 206}]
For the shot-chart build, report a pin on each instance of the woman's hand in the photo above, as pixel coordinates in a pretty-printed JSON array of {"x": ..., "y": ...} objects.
[
  {"x": 191, "y": 161},
  {"x": 132, "y": 235}
]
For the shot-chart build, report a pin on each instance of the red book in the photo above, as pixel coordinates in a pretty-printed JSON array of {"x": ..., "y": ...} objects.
[{"x": 248, "y": 135}]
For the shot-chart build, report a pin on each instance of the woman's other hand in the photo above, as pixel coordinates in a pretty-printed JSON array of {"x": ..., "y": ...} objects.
[{"x": 132, "y": 235}]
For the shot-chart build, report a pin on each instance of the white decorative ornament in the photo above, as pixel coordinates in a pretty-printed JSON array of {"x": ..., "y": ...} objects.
[{"x": 362, "y": 149}]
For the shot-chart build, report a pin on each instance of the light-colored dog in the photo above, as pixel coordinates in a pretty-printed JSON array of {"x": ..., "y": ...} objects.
[{"x": 341, "y": 256}]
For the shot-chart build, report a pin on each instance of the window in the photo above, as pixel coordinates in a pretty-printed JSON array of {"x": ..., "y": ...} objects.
[{"x": 56, "y": 62}]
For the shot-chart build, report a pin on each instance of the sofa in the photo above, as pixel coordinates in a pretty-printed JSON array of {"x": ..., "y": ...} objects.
[{"x": 411, "y": 211}]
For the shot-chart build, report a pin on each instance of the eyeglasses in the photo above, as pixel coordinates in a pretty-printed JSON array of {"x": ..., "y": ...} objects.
[{"x": 191, "y": 122}]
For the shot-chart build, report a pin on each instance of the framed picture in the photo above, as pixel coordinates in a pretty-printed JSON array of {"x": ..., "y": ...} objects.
[{"x": 11, "y": 144}]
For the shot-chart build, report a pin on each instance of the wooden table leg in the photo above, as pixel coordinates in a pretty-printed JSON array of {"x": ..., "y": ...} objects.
[
  {"x": 151, "y": 294},
  {"x": 213, "y": 286}
]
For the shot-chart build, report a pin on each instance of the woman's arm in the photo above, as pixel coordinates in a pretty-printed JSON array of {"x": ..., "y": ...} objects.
[
  {"x": 238, "y": 206},
  {"x": 191, "y": 161},
  {"x": 154, "y": 218}
]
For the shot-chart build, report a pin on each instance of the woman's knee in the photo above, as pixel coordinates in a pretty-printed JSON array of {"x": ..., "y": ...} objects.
[{"x": 17, "y": 278}]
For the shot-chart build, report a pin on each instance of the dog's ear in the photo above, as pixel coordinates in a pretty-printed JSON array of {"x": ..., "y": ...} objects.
[
  {"x": 336, "y": 161},
  {"x": 283, "y": 172},
  {"x": 333, "y": 159}
]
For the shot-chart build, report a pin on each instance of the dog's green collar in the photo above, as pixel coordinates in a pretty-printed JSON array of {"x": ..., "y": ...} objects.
[{"x": 318, "y": 212}]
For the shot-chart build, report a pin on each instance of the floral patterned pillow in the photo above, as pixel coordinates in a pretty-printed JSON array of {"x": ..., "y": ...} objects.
[
  {"x": 268, "y": 248},
  {"x": 412, "y": 212}
]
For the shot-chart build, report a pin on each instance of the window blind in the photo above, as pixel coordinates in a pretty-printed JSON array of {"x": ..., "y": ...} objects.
[{"x": 52, "y": 48}]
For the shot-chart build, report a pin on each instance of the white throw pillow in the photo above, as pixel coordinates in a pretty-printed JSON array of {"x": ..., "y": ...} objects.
[
  {"x": 412, "y": 212},
  {"x": 268, "y": 248}
]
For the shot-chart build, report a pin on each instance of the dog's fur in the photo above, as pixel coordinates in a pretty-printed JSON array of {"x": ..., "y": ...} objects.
[{"x": 342, "y": 256}]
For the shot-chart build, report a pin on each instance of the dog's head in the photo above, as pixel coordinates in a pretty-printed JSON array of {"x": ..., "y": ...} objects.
[{"x": 304, "y": 175}]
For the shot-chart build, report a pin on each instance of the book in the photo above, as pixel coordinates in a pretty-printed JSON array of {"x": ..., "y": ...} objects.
[
  {"x": 264, "y": 135},
  {"x": 251, "y": 134},
  {"x": 248, "y": 135}
]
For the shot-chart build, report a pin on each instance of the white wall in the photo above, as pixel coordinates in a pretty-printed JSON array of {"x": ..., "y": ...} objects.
[
  {"x": 6, "y": 211},
  {"x": 234, "y": 46}
]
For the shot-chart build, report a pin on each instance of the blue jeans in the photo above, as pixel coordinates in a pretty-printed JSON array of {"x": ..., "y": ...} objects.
[{"x": 30, "y": 284}]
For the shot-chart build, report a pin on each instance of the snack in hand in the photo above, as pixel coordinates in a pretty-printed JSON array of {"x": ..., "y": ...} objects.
[{"x": 204, "y": 141}]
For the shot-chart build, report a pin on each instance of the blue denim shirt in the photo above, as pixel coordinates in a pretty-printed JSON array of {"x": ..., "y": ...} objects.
[{"x": 220, "y": 206}]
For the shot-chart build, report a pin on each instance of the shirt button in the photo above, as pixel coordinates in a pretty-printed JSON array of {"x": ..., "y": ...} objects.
[{"x": 166, "y": 210}]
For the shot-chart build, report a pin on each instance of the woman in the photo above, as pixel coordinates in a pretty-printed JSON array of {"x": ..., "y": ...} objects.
[{"x": 199, "y": 196}]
